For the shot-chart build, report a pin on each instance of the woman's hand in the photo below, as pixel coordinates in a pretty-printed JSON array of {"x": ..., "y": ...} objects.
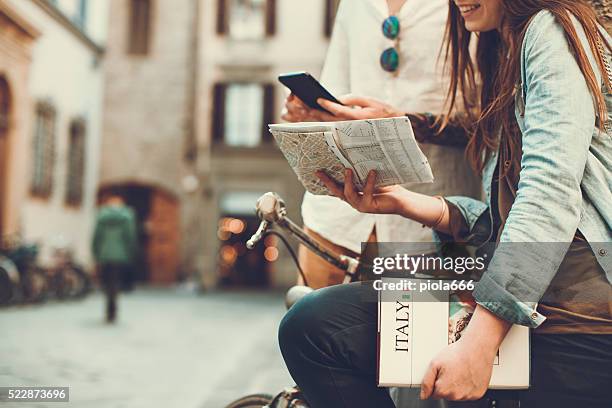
[
  {"x": 462, "y": 371},
  {"x": 359, "y": 107},
  {"x": 421, "y": 208},
  {"x": 386, "y": 200},
  {"x": 297, "y": 111}
]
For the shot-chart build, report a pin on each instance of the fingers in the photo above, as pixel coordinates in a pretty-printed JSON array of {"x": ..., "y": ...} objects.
[
  {"x": 370, "y": 187},
  {"x": 296, "y": 101},
  {"x": 360, "y": 101},
  {"x": 343, "y": 112},
  {"x": 331, "y": 185},
  {"x": 297, "y": 111},
  {"x": 427, "y": 385},
  {"x": 321, "y": 116},
  {"x": 350, "y": 193}
]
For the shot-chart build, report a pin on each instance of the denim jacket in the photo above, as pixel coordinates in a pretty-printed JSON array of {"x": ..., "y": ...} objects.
[{"x": 565, "y": 180}]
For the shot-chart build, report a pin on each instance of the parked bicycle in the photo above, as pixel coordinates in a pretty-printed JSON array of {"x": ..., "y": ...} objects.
[
  {"x": 68, "y": 279},
  {"x": 271, "y": 209},
  {"x": 9, "y": 281},
  {"x": 30, "y": 283}
]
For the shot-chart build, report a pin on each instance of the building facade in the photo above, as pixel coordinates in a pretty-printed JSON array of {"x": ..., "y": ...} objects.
[
  {"x": 52, "y": 134},
  {"x": 190, "y": 88}
]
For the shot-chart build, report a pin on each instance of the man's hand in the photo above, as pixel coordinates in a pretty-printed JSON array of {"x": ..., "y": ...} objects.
[
  {"x": 462, "y": 371},
  {"x": 297, "y": 111},
  {"x": 359, "y": 107}
]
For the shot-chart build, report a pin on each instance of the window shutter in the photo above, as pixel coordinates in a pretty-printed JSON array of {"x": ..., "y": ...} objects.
[
  {"x": 140, "y": 27},
  {"x": 76, "y": 163},
  {"x": 269, "y": 110},
  {"x": 44, "y": 150},
  {"x": 270, "y": 18},
  {"x": 218, "y": 127},
  {"x": 222, "y": 16}
]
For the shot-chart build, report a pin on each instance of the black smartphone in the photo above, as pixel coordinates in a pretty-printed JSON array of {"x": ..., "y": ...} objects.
[{"x": 307, "y": 88}]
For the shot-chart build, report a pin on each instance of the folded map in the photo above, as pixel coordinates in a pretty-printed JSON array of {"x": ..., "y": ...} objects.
[{"x": 385, "y": 145}]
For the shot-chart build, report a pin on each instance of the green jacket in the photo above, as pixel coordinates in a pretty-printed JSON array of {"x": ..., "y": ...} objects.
[{"x": 115, "y": 238}]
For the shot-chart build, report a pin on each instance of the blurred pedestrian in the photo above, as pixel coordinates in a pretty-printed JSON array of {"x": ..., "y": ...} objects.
[{"x": 114, "y": 246}]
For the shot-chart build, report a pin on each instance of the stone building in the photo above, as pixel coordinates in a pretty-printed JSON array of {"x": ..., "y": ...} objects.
[
  {"x": 190, "y": 88},
  {"x": 51, "y": 87}
]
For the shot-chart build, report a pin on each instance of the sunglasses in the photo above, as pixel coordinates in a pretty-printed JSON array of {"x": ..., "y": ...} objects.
[{"x": 389, "y": 59}]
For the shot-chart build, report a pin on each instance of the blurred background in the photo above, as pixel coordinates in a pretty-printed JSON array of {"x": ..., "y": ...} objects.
[{"x": 165, "y": 102}]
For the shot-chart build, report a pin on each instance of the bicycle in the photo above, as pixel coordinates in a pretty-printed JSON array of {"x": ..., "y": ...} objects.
[
  {"x": 272, "y": 211},
  {"x": 31, "y": 284},
  {"x": 68, "y": 279}
]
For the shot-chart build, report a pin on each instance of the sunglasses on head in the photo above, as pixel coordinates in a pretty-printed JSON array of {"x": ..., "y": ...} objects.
[{"x": 389, "y": 59}]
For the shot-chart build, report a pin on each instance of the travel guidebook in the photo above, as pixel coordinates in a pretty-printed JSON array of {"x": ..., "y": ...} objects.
[
  {"x": 385, "y": 145},
  {"x": 414, "y": 326}
]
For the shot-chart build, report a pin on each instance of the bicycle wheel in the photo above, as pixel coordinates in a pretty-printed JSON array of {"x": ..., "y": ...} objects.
[
  {"x": 85, "y": 282},
  {"x": 35, "y": 285},
  {"x": 252, "y": 401},
  {"x": 70, "y": 282},
  {"x": 9, "y": 281}
]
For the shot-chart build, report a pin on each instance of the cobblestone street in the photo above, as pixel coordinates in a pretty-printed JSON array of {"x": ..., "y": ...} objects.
[{"x": 170, "y": 348}]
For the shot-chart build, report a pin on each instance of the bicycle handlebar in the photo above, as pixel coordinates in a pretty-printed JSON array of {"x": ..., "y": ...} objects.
[{"x": 271, "y": 209}]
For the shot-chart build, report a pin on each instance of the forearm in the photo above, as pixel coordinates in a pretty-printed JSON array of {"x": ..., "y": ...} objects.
[
  {"x": 427, "y": 210},
  {"x": 484, "y": 321}
]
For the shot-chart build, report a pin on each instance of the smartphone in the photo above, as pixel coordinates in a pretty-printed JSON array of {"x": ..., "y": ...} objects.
[{"x": 307, "y": 88}]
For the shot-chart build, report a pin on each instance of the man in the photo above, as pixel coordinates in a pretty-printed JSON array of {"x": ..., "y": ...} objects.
[
  {"x": 114, "y": 247},
  {"x": 394, "y": 59}
]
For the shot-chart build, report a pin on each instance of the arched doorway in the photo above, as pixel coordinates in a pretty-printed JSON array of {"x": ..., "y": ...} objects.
[
  {"x": 157, "y": 213},
  {"x": 5, "y": 115}
]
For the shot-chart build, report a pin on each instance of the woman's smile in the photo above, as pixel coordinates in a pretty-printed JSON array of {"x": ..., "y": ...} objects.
[
  {"x": 480, "y": 15},
  {"x": 468, "y": 10}
]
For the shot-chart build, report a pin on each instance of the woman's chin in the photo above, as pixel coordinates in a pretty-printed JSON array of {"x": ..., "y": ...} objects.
[{"x": 478, "y": 27}]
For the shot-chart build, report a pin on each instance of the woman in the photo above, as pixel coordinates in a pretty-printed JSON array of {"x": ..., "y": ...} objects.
[{"x": 542, "y": 140}]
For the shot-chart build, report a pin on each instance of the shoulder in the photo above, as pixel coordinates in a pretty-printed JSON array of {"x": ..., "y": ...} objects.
[
  {"x": 546, "y": 41},
  {"x": 543, "y": 28}
]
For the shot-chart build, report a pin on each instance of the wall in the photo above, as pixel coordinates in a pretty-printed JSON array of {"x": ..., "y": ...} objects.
[
  {"x": 299, "y": 44},
  {"x": 147, "y": 108},
  {"x": 66, "y": 71}
]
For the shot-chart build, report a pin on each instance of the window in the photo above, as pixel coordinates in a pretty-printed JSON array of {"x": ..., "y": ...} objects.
[
  {"x": 44, "y": 150},
  {"x": 76, "y": 163},
  {"x": 242, "y": 112},
  {"x": 139, "y": 27},
  {"x": 246, "y": 19},
  {"x": 331, "y": 8}
]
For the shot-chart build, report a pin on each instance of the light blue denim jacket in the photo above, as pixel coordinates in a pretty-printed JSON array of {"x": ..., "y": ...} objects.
[{"x": 565, "y": 179}]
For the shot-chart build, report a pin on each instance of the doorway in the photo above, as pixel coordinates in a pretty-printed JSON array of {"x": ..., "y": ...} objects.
[
  {"x": 158, "y": 220},
  {"x": 5, "y": 115},
  {"x": 238, "y": 266}
]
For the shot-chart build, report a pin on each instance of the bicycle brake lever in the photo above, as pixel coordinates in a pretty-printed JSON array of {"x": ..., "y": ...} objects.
[{"x": 263, "y": 227}]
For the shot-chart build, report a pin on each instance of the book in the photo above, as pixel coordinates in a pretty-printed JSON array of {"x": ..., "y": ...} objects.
[
  {"x": 414, "y": 326},
  {"x": 385, "y": 145}
]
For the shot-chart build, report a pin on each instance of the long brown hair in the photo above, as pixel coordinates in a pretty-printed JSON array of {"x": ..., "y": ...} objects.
[{"x": 487, "y": 90}]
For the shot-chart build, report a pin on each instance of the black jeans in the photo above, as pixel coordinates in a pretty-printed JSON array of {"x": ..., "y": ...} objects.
[
  {"x": 328, "y": 341},
  {"x": 111, "y": 281}
]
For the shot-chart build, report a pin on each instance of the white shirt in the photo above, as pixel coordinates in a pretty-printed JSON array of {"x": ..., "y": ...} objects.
[{"x": 352, "y": 66}]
